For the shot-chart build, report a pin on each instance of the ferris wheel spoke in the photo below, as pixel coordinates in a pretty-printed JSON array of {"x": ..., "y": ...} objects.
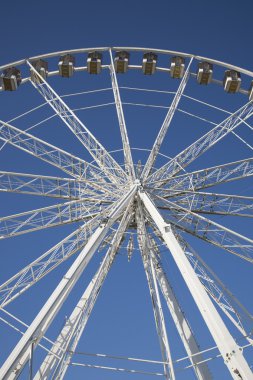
[
  {"x": 129, "y": 166},
  {"x": 208, "y": 230},
  {"x": 55, "y": 187},
  {"x": 70, "y": 164},
  {"x": 144, "y": 245},
  {"x": 15, "y": 363},
  {"x": 39, "y": 268},
  {"x": 57, "y": 360},
  {"x": 226, "y": 301},
  {"x": 56, "y": 215},
  {"x": 166, "y": 123},
  {"x": 237, "y": 365},
  {"x": 104, "y": 160},
  {"x": 216, "y": 204},
  {"x": 200, "y": 146},
  {"x": 209, "y": 177}
]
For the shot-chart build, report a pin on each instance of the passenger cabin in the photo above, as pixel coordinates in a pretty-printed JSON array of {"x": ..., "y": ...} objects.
[
  {"x": 11, "y": 79},
  {"x": 94, "y": 62},
  {"x": 121, "y": 61},
  {"x": 204, "y": 73},
  {"x": 66, "y": 65},
  {"x": 41, "y": 67},
  {"x": 232, "y": 81},
  {"x": 177, "y": 67},
  {"x": 149, "y": 63}
]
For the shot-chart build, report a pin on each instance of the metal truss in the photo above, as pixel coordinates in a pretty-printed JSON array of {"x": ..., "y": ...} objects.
[
  {"x": 104, "y": 160},
  {"x": 209, "y": 177},
  {"x": 166, "y": 123},
  {"x": 39, "y": 268},
  {"x": 20, "y": 355},
  {"x": 65, "y": 161},
  {"x": 182, "y": 324},
  {"x": 226, "y": 301},
  {"x": 145, "y": 245},
  {"x": 58, "y": 359},
  {"x": 50, "y": 216},
  {"x": 110, "y": 202},
  {"x": 129, "y": 166},
  {"x": 56, "y": 187},
  {"x": 216, "y": 204},
  {"x": 200, "y": 146},
  {"x": 230, "y": 351},
  {"x": 208, "y": 230}
]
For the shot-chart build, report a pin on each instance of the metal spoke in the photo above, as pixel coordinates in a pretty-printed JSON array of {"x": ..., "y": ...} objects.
[
  {"x": 209, "y": 177},
  {"x": 145, "y": 245},
  {"x": 39, "y": 268},
  {"x": 226, "y": 301},
  {"x": 55, "y": 187},
  {"x": 208, "y": 230},
  {"x": 70, "y": 164},
  {"x": 104, "y": 160},
  {"x": 217, "y": 204},
  {"x": 16, "y": 361},
  {"x": 230, "y": 351},
  {"x": 200, "y": 146},
  {"x": 129, "y": 166},
  {"x": 166, "y": 123},
  {"x": 50, "y": 216},
  {"x": 57, "y": 361}
]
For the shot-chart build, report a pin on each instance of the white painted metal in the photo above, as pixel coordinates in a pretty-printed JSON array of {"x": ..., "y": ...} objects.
[
  {"x": 202, "y": 144},
  {"x": 144, "y": 245},
  {"x": 50, "y": 216},
  {"x": 35, "y": 271},
  {"x": 65, "y": 161},
  {"x": 70, "y": 334},
  {"x": 182, "y": 324},
  {"x": 208, "y": 177},
  {"x": 166, "y": 123},
  {"x": 19, "y": 356},
  {"x": 230, "y": 351},
  {"x": 104, "y": 160},
  {"x": 129, "y": 166},
  {"x": 209, "y": 230},
  {"x": 217, "y": 204}
]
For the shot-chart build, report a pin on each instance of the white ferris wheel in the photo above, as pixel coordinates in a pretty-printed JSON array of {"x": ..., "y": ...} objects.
[{"x": 169, "y": 200}]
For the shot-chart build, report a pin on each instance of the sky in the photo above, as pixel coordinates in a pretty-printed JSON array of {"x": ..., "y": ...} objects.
[{"x": 122, "y": 322}]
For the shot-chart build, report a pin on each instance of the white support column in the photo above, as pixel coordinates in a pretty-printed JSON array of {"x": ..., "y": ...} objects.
[
  {"x": 184, "y": 330},
  {"x": 122, "y": 124},
  {"x": 145, "y": 245},
  {"x": 16, "y": 361},
  {"x": 230, "y": 351},
  {"x": 57, "y": 360}
]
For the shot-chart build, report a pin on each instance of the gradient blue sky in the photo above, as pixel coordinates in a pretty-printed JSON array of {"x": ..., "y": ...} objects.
[{"x": 123, "y": 322}]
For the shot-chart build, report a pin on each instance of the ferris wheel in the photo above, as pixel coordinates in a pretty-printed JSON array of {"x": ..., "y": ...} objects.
[{"x": 185, "y": 188}]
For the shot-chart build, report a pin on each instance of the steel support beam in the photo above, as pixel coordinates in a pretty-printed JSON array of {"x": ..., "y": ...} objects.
[
  {"x": 16, "y": 361},
  {"x": 184, "y": 330},
  {"x": 145, "y": 245},
  {"x": 230, "y": 351},
  {"x": 58, "y": 359}
]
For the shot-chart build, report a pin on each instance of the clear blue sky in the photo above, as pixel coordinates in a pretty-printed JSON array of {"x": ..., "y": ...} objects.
[{"x": 122, "y": 322}]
